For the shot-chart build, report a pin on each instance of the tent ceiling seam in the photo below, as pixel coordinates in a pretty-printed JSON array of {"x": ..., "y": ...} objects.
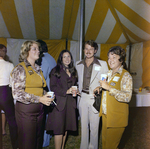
[{"x": 118, "y": 20}]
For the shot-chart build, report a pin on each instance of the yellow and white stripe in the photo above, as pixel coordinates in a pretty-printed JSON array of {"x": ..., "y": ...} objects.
[{"x": 108, "y": 22}]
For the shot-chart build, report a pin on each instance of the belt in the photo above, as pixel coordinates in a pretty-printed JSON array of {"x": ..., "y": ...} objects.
[{"x": 87, "y": 92}]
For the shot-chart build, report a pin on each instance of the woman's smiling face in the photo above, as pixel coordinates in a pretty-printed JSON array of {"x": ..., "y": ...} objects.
[
  {"x": 113, "y": 61},
  {"x": 34, "y": 52},
  {"x": 66, "y": 59}
]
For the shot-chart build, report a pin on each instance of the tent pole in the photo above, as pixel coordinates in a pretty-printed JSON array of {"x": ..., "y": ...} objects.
[
  {"x": 130, "y": 46},
  {"x": 66, "y": 43},
  {"x": 81, "y": 28}
]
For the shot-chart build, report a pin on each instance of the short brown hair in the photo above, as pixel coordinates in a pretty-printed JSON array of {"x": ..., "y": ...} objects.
[
  {"x": 3, "y": 50},
  {"x": 119, "y": 51},
  {"x": 92, "y": 43}
]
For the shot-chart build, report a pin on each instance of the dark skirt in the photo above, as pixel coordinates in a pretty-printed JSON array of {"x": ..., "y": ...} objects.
[{"x": 61, "y": 121}]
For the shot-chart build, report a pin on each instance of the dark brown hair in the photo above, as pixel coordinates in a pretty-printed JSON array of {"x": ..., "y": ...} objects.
[
  {"x": 3, "y": 50},
  {"x": 59, "y": 65},
  {"x": 119, "y": 51},
  {"x": 92, "y": 43}
]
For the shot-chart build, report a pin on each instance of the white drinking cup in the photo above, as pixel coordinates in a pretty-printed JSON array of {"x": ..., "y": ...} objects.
[
  {"x": 51, "y": 94},
  {"x": 74, "y": 91}
]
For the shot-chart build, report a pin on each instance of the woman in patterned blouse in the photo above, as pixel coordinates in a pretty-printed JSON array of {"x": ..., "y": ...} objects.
[
  {"x": 115, "y": 98},
  {"x": 27, "y": 89}
]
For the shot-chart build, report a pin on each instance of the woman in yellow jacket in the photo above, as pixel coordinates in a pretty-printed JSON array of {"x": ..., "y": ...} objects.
[
  {"x": 117, "y": 92},
  {"x": 28, "y": 90}
]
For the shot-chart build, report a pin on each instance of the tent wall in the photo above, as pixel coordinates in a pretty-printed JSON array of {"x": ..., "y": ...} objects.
[
  {"x": 140, "y": 64},
  {"x": 136, "y": 63},
  {"x": 140, "y": 53},
  {"x": 55, "y": 47},
  {"x": 3, "y": 41},
  {"x": 146, "y": 64}
]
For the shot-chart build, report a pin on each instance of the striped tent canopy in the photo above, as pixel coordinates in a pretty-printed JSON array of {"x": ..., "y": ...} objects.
[
  {"x": 105, "y": 21},
  {"x": 108, "y": 22}
]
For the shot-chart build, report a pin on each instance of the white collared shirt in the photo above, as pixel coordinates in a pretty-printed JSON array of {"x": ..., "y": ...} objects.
[{"x": 5, "y": 70}]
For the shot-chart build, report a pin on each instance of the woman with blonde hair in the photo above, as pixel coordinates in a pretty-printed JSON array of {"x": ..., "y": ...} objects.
[{"x": 27, "y": 89}]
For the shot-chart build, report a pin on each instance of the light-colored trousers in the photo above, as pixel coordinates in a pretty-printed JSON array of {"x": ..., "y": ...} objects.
[{"x": 89, "y": 122}]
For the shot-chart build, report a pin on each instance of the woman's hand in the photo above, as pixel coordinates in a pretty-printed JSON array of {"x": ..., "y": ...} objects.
[
  {"x": 104, "y": 85},
  {"x": 46, "y": 100},
  {"x": 69, "y": 91},
  {"x": 96, "y": 89}
]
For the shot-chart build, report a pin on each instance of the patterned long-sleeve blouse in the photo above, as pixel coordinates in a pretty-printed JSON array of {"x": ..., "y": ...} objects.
[
  {"x": 123, "y": 95},
  {"x": 18, "y": 81}
]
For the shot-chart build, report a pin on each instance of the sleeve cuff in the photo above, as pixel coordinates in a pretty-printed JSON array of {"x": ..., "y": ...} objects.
[{"x": 35, "y": 99}]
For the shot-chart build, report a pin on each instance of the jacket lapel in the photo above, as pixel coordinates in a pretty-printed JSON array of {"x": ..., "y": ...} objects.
[
  {"x": 96, "y": 69},
  {"x": 81, "y": 73}
]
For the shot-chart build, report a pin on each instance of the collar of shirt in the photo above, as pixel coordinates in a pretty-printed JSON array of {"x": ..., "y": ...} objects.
[
  {"x": 37, "y": 67},
  {"x": 2, "y": 60},
  {"x": 119, "y": 71},
  {"x": 95, "y": 61}
]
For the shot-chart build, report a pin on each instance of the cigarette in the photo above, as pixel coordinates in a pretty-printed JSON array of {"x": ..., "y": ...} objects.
[{"x": 54, "y": 103}]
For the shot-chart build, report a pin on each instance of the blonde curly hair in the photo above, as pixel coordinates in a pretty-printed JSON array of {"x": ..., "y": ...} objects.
[{"x": 25, "y": 48}]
